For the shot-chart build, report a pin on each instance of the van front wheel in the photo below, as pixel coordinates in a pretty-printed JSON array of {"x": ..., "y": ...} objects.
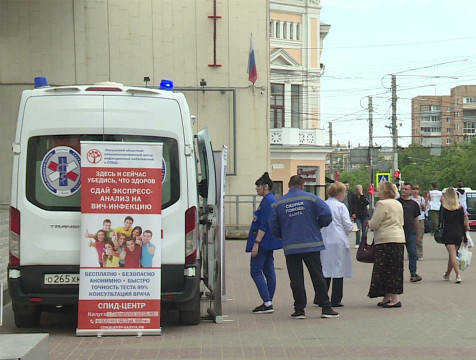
[
  {"x": 191, "y": 316},
  {"x": 26, "y": 315}
]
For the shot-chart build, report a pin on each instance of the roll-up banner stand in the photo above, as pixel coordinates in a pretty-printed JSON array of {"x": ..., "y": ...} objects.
[{"x": 119, "y": 291}]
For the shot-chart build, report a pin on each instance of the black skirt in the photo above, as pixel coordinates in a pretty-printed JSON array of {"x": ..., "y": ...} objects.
[{"x": 387, "y": 274}]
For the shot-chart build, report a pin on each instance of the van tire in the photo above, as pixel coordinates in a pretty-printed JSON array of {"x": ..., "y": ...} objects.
[
  {"x": 192, "y": 316},
  {"x": 26, "y": 315}
]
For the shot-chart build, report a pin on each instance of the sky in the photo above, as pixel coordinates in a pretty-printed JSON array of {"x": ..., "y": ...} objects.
[{"x": 429, "y": 44}]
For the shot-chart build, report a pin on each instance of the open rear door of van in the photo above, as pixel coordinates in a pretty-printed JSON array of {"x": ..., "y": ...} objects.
[{"x": 208, "y": 209}]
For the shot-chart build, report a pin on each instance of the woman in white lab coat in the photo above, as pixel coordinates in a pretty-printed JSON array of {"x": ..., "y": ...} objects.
[{"x": 336, "y": 259}]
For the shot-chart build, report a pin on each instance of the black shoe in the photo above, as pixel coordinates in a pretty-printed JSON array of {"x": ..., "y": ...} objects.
[
  {"x": 337, "y": 305},
  {"x": 329, "y": 313},
  {"x": 298, "y": 314},
  {"x": 263, "y": 309}
]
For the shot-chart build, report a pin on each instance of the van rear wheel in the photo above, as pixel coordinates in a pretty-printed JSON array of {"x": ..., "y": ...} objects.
[
  {"x": 26, "y": 315},
  {"x": 192, "y": 315}
]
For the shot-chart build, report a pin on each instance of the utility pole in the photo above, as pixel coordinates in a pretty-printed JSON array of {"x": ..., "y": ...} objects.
[
  {"x": 394, "y": 126},
  {"x": 331, "y": 165},
  {"x": 371, "y": 140}
]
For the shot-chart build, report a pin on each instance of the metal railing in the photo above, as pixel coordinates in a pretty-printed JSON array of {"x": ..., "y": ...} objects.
[{"x": 237, "y": 205}]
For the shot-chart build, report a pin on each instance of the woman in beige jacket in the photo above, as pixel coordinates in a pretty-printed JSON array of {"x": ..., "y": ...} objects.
[{"x": 387, "y": 224}]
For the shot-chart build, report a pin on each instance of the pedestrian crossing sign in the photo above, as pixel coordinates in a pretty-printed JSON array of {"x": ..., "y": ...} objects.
[{"x": 381, "y": 177}]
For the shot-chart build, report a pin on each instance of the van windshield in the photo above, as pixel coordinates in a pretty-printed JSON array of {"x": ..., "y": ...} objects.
[{"x": 37, "y": 191}]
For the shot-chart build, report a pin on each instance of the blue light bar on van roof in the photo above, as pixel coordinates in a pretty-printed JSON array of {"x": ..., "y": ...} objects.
[
  {"x": 41, "y": 81},
  {"x": 166, "y": 85}
]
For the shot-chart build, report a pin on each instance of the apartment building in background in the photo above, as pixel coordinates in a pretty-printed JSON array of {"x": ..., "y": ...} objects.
[
  {"x": 440, "y": 121},
  {"x": 297, "y": 139}
]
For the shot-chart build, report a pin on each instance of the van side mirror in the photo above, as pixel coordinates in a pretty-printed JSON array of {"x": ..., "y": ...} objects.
[{"x": 203, "y": 188}]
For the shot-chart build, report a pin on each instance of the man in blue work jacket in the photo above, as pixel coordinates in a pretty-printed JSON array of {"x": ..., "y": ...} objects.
[{"x": 297, "y": 218}]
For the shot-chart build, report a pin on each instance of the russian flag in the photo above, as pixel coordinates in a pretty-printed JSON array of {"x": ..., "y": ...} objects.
[{"x": 252, "y": 71}]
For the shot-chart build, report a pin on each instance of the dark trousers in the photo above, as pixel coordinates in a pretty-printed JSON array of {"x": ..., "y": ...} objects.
[
  {"x": 337, "y": 289},
  {"x": 296, "y": 276}
]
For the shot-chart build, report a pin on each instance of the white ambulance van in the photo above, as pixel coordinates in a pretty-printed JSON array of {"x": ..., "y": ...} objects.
[{"x": 45, "y": 213}]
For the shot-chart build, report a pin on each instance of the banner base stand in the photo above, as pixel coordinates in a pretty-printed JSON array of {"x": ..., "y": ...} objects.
[{"x": 118, "y": 332}]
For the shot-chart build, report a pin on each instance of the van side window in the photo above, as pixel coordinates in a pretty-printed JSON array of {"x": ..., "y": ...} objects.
[{"x": 38, "y": 146}]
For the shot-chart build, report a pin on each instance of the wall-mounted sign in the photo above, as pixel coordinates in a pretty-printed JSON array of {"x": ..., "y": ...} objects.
[{"x": 310, "y": 174}]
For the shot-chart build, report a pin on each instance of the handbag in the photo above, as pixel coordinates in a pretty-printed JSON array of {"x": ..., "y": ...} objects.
[
  {"x": 439, "y": 232},
  {"x": 365, "y": 252}
]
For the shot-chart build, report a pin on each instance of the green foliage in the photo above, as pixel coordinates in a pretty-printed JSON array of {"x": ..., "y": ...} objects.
[
  {"x": 417, "y": 166},
  {"x": 356, "y": 177},
  {"x": 455, "y": 164}
]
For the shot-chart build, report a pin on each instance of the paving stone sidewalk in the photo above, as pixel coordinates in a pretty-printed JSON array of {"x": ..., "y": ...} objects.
[{"x": 437, "y": 321}]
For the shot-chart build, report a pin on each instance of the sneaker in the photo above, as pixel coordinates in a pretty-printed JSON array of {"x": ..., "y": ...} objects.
[
  {"x": 420, "y": 258},
  {"x": 356, "y": 246},
  {"x": 446, "y": 277},
  {"x": 329, "y": 313},
  {"x": 415, "y": 278},
  {"x": 263, "y": 309},
  {"x": 458, "y": 279},
  {"x": 298, "y": 314}
]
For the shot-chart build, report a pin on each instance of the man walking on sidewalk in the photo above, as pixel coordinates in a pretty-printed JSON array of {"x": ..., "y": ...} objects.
[
  {"x": 297, "y": 218},
  {"x": 411, "y": 227}
]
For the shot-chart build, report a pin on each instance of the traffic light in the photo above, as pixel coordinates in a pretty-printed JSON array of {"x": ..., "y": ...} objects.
[
  {"x": 371, "y": 190},
  {"x": 396, "y": 177}
]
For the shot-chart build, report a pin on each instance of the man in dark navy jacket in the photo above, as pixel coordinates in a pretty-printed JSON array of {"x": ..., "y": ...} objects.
[{"x": 297, "y": 219}]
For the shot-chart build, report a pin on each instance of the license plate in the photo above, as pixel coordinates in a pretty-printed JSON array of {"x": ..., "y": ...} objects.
[{"x": 61, "y": 279}]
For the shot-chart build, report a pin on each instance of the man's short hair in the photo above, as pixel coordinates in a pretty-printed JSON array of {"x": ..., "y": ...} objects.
[
  {"x": 129, "y": 218},
  {"x": 129, "y": 239},
  {"x": 106, "y": 221},
  {"x": 434, "y": 185},
  {"x": 459, "y": 184},
  {"x": 296, "y": 180},
  {"x": 408, "y": 184},
  {"x": 149, "y": 232},
  {"x": 345, "y": 182}
]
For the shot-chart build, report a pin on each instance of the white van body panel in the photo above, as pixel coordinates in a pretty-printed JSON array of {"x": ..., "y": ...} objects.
[{"x": 52, "y": 237}]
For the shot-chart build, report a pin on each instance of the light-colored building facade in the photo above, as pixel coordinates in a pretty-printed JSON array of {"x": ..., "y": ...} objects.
[
  {"x": 440, "y": 121},
  {"x": 89, "y": 41},
  {"x": 297, "y": 139}
]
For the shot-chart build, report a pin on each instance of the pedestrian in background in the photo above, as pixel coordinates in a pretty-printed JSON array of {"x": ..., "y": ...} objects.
[
  {"x": 462, "y": 194},
  {"x": 297, "y": 219},
  {"x": 411, "y": 227},
  {"x": 361, "y": 212},
  {"x": 261, "y": 243},
  {"x": 421, "y": 220},
  {"x": 454, "y": 230},
  {"x": 435, "y": 204},
  {"x": 349, "y": 200},
  {"x": 389, "y": 237},
  {"x": 336, "y": 259}
]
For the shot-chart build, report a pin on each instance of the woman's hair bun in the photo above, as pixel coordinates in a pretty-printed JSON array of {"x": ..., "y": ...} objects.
[{"x": 265, "y": 179}]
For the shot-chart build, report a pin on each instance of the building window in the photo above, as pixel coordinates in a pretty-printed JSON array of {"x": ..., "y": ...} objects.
[
  {"x": 448, "y": 119},
  {"x": 425, "y": 108},
  {"x": 435, "y": 118},
  {"x": 291, "y": 31},
  {"x": 435, "y": 108},
  {"x": 448, "y": 108},
  {"x": 448, "y": 142},
  {"x": 271, "y": 28},
  {"x": 277, "y": 189},
  {"x": 277, "y": 33},
  {"x": 285, "y": 30},
  {"x": 277, "y": 106},
  {"x": 448, "y": 131},
  {"x": 469, "y": 100},
  {"x": 296, "y": 106},
  {"x": 298, "y": 32}
]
